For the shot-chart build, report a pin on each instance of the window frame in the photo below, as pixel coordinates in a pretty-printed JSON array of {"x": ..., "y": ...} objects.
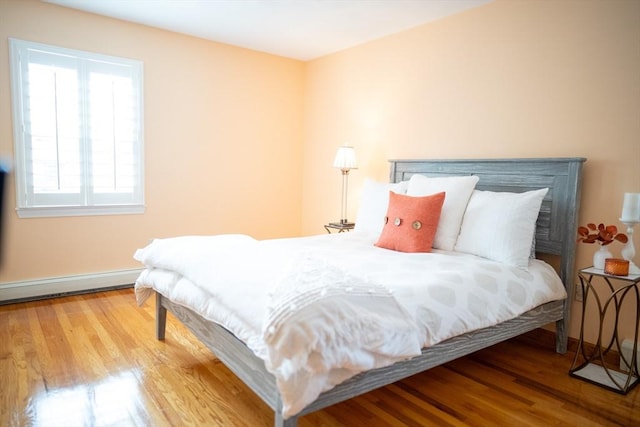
[{"x": 92, "y": 202}]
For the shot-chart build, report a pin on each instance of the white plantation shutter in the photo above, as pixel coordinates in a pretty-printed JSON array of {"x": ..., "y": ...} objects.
[{"x": 78, "y": 131}]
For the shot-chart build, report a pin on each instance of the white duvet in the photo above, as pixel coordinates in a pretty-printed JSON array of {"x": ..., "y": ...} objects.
[{"x": 321, "y": 309}]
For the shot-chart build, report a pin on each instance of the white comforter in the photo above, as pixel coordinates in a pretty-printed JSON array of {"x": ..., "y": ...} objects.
[{"x": 321, "y": 309}]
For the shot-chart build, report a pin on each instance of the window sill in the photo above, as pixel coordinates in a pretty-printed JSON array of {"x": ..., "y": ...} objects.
[{"x": 56, "y": 211}]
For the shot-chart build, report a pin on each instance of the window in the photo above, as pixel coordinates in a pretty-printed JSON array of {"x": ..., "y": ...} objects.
[{"x": 77, "y": 130}]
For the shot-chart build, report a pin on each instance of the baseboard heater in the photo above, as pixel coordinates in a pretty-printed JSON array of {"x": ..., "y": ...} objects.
[{"x": 29, "y": 290}]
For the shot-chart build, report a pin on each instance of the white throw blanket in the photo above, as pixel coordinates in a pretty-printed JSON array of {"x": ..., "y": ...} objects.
[{"x": 324, "y": 325}]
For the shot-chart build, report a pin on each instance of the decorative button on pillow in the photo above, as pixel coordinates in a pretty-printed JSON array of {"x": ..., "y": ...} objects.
[{"x": 411, "y": 222}]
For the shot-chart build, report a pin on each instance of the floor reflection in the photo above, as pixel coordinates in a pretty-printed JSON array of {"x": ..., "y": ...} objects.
[{"x": 110, "y": 402}]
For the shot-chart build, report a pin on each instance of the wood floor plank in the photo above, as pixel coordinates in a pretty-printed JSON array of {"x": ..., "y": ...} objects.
[
  {"x": 93, "y": 360},
  {"x": 531, "y": 367}
]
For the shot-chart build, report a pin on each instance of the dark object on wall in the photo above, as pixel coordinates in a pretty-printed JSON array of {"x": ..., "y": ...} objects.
[{"x": 3, "y": 174}]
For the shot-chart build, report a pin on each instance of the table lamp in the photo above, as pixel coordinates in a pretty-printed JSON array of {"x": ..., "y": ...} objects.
[
  {"x": 345, "y": 161},
  {"x": 630, "y": 217}
]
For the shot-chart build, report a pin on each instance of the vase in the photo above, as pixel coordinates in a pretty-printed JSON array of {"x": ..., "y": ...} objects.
[{"x": 599, "y": 257}]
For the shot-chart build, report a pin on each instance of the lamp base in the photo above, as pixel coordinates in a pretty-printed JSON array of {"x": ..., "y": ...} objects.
[
  {"x": 633, "y": 269},
  {"x": 629, "y": 251}
]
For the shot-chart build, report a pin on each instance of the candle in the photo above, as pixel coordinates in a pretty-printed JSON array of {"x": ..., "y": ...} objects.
[{"x": 631, "y": 207}]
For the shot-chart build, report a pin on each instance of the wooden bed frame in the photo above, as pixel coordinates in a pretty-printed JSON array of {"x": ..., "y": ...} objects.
[{"x": 555, "y": 235}]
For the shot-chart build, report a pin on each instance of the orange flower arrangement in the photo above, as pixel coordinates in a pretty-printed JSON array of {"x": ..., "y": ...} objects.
[{"x": 602, "y": 234}]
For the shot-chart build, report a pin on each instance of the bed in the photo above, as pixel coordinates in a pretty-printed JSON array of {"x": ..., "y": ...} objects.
[{"x": 554, "y": 235}]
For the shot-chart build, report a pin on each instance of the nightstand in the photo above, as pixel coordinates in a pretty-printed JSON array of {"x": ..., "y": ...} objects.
[
  {"x": 339, "y": 227},
  {"x": 591, "y": 365}
]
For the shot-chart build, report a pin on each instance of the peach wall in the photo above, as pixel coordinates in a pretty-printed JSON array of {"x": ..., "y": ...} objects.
[
  {"x": 507, "y": 79},
  {"x": 220, "y": 122}
]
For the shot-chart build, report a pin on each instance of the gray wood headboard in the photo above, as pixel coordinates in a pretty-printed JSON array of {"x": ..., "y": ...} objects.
[{"x": 557, "y": 222}]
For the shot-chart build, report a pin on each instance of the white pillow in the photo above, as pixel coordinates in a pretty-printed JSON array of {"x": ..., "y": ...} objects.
[
  {"x": 374, "y": 202},
  {"x": 501, "y": 226},
  {"x": 457, "y": 190}
]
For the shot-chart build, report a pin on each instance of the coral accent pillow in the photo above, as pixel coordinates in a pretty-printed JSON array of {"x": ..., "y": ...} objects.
[{"x": 411, "y": 222}]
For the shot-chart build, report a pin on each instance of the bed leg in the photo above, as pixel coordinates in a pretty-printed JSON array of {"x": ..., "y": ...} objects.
[
  {"x": 161, "y": 317},
  {"x": 281, "y": 422},
  {"x": 279, "y": 419},
  {"x": 561, "y": 336}
]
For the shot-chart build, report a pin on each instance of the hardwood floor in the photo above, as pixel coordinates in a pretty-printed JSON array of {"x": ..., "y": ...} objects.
[{"x": 93, "y": 360}]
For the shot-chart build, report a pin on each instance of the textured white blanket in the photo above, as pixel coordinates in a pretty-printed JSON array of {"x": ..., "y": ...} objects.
[{"x": 321, "y": 318}]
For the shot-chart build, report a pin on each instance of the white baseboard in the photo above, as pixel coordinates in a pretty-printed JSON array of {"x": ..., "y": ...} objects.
[{"x": 55, "y": 286}]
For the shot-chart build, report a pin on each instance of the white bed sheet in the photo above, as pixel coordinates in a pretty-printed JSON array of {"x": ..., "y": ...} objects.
[{"x": 235, "y": 281}]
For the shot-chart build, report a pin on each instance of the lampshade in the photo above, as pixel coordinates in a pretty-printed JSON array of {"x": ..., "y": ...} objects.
[
  {"x": 345, "y": 159},
  {"x": 631, "y": 207}
]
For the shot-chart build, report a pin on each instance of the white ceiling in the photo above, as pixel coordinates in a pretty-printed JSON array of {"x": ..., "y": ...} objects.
[{"x": 299, "y": 29}]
